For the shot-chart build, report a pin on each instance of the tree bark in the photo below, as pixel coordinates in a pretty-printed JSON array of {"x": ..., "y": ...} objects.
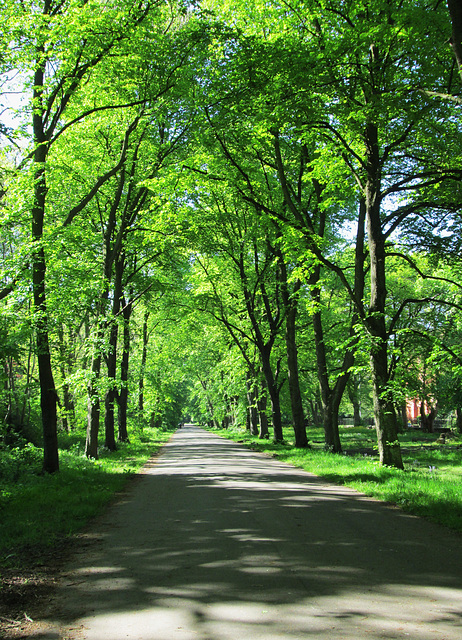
[
  {"x": 68, "y": 413},
  {"x": 93, "y": 399},
  {"x": 290, "y": 305},
  {"x": 384, "y": 412},
  {"x": 123, "y": 395},
  {"x": 262, "y": 415},
  {"x": 93, "y": 409},
  {"x": 298, "y": 416},
  {"x": 427, "y": 420},
  {"x": 252, "y": 412},
  {"x": 329, "y": 404},
  {"x": 144, "y": 354},
  {"x": 264, "y": 347},
  {"x": 455, "y": 13},
  {"x": 459, "y": 419},
  {"x": 316, "y": 409},
  {"x": 273, "y": 391},
  {"x": 111, "y": 359},
  {"x": 48, "y": 395}
]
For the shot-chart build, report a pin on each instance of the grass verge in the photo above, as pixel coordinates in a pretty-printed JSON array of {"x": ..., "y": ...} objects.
[{"x": 430, "y": 485}]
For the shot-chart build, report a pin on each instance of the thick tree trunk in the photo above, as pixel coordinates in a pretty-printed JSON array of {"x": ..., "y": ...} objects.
[
  {"x": 48, "y": 395},
  {"x": 384, "y": 412},
  {"x": 123, "y": 396}
]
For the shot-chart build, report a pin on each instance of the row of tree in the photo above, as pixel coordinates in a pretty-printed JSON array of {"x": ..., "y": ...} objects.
[{"x": 213, "y": 207}]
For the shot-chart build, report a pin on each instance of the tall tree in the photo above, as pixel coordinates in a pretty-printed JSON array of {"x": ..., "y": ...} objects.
[{"x": 61, "y": 51}]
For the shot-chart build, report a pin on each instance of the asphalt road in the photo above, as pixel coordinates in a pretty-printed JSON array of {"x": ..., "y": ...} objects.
[{"x": 216, "y": 542}]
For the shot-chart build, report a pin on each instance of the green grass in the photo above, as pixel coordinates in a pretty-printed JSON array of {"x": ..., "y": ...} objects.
[
  {"x": 430, "y": 485},
  {"x": 38, "y": 511}
]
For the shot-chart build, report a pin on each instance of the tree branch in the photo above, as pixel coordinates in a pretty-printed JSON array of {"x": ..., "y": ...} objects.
[
  {"x": 420, "y": 272},
  {"x": 104, "y": 178}
]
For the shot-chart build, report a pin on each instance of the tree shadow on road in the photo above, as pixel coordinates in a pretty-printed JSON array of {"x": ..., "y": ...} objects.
[{"x": 216, "y": 542}]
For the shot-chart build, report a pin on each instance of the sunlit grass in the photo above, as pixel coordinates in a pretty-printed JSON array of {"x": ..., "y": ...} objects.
[{"x": 430, "y": 486}]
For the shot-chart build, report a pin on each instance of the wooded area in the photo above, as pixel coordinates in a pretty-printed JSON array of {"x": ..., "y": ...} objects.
[{"x": 243, "y": 213}]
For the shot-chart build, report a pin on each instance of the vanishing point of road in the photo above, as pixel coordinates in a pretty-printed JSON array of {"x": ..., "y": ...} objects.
[{"x": 215, "y": 542}]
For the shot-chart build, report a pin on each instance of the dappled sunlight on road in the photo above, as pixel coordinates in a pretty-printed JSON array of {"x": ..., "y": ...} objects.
[{"x": 216, "y": 542}]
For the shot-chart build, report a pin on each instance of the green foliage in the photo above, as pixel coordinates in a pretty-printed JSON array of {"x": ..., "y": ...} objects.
[{"x": 194, "y": 148}]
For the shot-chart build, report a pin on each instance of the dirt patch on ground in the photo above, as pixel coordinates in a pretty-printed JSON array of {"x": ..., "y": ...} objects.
[{"x": 25, "y": 594}]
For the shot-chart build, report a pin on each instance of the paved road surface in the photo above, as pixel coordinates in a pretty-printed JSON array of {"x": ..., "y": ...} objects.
[{"x": 215, "y": 542}]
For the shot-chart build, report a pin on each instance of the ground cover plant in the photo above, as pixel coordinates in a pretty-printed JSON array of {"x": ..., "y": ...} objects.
[{"x": 429, "y": 485}]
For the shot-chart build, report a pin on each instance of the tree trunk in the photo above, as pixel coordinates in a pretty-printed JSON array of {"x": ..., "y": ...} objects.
[
  {"x": 384, "y": 412},
  {"x": 264, "y": 347},
  {"x": 427, "y": 421},
  {"x": 329, "y": 414},
  {"x": 144, "y": 354},
  {"x": 111, "y": 359},
  {"x": 262, "y": 402},
  {"x": 298, "y": 417},
  {"x": 455, "y": 13},
  {"x": 111, "y": 393},
  {"x": 403, "y": 416},
  {"x": 48, "y": 395},
  {"x": 65, "y": 356},
  {"x": 316, "y": 410},
  {"x": 123, "y": 396},
  {"x": 93, "y": 409},
  {"x": 290, "y": 304},
  {"x": 353, "y": 389},
  {"x": 459, "y": 419},
  {"x": 273, "y": 391},
  {"x": 252, "y": 412}
]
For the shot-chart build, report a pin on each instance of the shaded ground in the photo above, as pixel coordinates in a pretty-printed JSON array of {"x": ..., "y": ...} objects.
[{"x": 216, "y": 542}]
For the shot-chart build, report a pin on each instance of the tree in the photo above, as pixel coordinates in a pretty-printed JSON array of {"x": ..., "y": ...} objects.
[
  {"x": 249, "y": 305},
  {"x": 378, "y": 122},
  {"x": 67, "y": 43}
]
